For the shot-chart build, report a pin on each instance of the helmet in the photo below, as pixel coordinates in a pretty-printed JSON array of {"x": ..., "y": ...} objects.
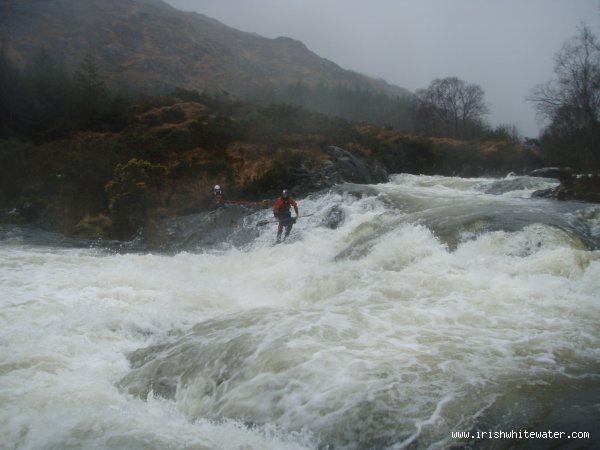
[
  {"x": 284, "y": 193},
  {"x": 217, "y": 187}
]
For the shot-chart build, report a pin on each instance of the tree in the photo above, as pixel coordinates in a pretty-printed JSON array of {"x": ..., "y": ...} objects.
[
  {"x": 451, "y": 107},
  {"x": 570, "y": 102},
  {"x": 45, "y": 104},
  {"x": 9, "y": 86},
  {"x": 92, "y": 90}
]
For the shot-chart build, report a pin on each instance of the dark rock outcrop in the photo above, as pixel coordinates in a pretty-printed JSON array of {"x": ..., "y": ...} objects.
[
  {"x": 547, "y": 172},
  {"x": 342, "y": 167},
  {"x": 210, "y": 229},
  {"x": 349, "y": 168},
  {"x": 581, "y": 187}
]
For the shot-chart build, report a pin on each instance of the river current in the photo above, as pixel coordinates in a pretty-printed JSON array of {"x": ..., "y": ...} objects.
[{"x": 395, "y": 315}]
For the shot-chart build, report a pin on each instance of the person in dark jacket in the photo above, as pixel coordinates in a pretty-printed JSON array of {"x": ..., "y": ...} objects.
[
  {"x": 219, "y": 200},
  {"x": 282, "y": 211}
]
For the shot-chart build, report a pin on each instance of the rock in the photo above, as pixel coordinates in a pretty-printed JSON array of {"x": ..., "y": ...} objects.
[
  {"x": 574, "y": 187},
  {"x": 354, "y": 170},
  {"x": 545, "y": 193},
  {"x": 313, "y": 174},
  {"x": 211, "y": 229},
  {"x": 335, "y": 217},
  {"x": 349, "y": 167},
  {"x": 13, "y": 216},
  {"x": 93, "y": 226},
  {"x": 547, "y": 172}
]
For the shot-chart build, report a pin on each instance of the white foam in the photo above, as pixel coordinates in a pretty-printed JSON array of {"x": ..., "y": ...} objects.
[{"x": 371, "y": 329}]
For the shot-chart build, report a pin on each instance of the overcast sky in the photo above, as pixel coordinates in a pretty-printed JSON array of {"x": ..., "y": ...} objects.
[{"x": 505, "y": 46}]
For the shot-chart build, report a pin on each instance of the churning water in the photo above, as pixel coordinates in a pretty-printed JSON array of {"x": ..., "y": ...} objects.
[{"x": 396, "y": 314}]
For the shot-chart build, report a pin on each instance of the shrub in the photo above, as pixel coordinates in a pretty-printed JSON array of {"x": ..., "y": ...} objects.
[
  {"x": 132, "y": 192},
  {"x": 215, "y": 133}
]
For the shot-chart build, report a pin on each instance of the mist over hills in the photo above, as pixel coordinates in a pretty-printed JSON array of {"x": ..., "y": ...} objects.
[
  {"x": 81, "y": 155},
  {"x": 151, "y": 44}
]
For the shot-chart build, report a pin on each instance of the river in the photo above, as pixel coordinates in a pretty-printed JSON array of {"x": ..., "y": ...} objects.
[{"x": 394, "y": 315}]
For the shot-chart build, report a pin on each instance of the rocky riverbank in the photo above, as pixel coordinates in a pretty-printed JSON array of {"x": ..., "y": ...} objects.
[
  {"x": 578, "y": 187},
  {"x": 165, "y": 163}
]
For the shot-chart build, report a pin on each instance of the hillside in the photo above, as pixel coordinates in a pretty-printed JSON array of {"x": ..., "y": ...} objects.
[
  {"x": 79, "y": 157},
  {"x": 149, "y": 43}
]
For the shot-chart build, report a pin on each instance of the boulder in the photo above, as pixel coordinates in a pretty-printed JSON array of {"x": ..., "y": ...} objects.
[
  {"x": 352, "y": 169},
  {"x": 547, "y": 172},
  {"x": 574, "y": 187},
  {"x": 343, "y": 167}
]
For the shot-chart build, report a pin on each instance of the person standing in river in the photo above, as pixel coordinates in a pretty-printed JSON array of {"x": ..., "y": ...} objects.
[
  {"x": 282, "y": 211},
  {"x": 219, "y": 199}
]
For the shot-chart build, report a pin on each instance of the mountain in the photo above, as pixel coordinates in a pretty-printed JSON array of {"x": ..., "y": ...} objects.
[{"x": 151, "y": 44}]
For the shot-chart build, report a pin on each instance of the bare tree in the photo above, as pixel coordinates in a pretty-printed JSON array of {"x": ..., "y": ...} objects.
[
  {"x": 451, "y": 107},
  {"x": 570, "y": 102},
  {"x": 572, "y": 98}
]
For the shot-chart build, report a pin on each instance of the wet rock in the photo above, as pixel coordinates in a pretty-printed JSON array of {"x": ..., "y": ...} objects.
[
  {"x": 313, "y": 175},
  {"x": 547, "y": 172},
  {"x": 14, "y": 216},
  {"x": 582, "y": 187},
  {"x": 224, "y": 226},
  {"x": 353, "y": 169},
  {"x": 93, "y": 226},
  {"x": 545, "y": 193},
  {"x": 334, "y": 218}
]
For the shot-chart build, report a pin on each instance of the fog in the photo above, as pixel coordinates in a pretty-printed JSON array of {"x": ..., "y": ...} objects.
[{"x": 505, "y": 46}]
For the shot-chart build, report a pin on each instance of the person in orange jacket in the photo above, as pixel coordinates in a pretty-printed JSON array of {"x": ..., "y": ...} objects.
[{"x": 282, "y": 211}]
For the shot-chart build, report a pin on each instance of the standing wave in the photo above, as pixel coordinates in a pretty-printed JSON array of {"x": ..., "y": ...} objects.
[{"x": 396, "y": 314}]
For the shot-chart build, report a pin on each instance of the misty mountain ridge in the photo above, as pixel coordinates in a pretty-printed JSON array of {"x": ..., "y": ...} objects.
[{"x": 149, "y": 43}]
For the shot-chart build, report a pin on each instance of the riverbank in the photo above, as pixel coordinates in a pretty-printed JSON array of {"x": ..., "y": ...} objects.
[{"x": 165, "y": 163}]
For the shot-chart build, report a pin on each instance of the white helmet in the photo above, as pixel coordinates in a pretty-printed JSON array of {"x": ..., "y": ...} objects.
[{"x": 217, "y": 187}]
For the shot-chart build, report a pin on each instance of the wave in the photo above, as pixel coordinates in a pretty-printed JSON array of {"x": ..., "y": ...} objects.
[{"x": 395, "y": 314}]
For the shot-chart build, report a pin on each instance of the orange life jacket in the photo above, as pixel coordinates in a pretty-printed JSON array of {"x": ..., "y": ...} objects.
[{"x": 282, "y": 206}]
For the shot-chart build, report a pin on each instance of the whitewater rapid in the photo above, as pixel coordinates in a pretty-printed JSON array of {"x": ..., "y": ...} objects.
[{"x": 429, "y": 305}]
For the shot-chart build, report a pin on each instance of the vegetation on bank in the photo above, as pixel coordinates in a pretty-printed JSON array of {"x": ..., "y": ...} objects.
[{"x": 82, "y": 157}]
